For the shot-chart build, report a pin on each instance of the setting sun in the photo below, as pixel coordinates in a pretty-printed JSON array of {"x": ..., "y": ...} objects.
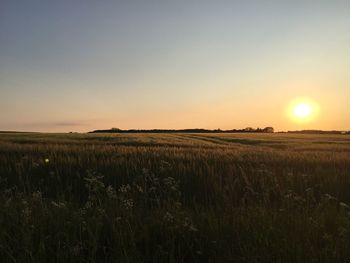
[{"x": 302, "y": 110}]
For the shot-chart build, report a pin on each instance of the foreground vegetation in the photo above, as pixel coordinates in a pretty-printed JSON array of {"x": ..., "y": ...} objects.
[{"x": 174, "y": 198}]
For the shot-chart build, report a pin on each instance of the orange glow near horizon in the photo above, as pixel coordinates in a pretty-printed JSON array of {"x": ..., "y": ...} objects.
[{"x": 303, "y": 110}]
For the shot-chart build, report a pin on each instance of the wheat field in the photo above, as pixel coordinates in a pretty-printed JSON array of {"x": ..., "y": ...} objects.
[{"x": 174, "y": 197}]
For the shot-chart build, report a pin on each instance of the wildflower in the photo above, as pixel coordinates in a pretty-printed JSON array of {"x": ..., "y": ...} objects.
[
  {"x": 186, "y": 222},
  {"x": 77, "y": 249},
  {"x": 344, "y": 206},
  {"x": 152, "y": 189},
  {"x": 168, "y": 217},
  {"x": 309, "y": 190},
  {"x": 139, "y": 188},
  {"x": 37, "y": 195},
  {"x": 326, "y": 236},
  {"x": 124, "y": 188},
  {"x": 164, "y": 163},
  {"x": 26, "y": 212},
  {"x": 169, "y": 181},
  {"x": 88, "y": 204},
  {"x": 193, "y": 228},
  {"x": 145, "y": 171},
  {"x": 47, "y": 160},
  {"x": 128, "y": 204},
  {"x": 100, "y": 211},
  {"x": 59, "y": 204},
  {"x": 330, "y": 198},
  {"x": 111, "y": 192},
  {"x": 178, "y": 204}
]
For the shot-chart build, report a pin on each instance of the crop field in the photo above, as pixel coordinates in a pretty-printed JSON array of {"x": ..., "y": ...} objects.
[{"x": 174, "y": 197}]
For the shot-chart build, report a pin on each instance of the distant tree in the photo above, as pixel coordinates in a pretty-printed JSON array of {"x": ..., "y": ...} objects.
[{"x": 268, "y": 129}]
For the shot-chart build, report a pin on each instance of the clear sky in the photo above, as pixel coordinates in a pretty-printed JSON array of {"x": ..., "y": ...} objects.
[{"x": 84, "y": 65}]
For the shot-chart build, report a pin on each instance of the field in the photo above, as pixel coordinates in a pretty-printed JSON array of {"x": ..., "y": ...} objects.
[{"x": 174, "y": 198}]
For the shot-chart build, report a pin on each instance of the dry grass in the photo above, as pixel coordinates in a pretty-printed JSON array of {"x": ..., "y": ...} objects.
[{"x": 174, "y": 198}]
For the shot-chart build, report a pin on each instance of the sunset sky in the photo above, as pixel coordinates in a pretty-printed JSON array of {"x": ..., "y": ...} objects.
[{"x": 85, "y": 65}]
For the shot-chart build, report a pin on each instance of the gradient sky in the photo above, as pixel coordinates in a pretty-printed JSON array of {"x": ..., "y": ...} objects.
[{"x": 84, "y": 65}]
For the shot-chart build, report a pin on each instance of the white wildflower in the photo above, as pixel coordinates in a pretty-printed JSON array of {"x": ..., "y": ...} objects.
[
  {"x": 124, "y": 188},
  {"x": 128, "y": 204},
  {"x": 111, "y": 192},
  {"x": 168, "y": 217},
  {"x": 344, "y": 206},
  {"x": 58, "y": 204}
]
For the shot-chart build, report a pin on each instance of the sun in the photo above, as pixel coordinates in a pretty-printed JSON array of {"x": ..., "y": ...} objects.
[{"x": 303, "y": 110}]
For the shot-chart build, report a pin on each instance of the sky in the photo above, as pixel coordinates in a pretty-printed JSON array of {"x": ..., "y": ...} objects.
[{"x": 85, "y": 65}]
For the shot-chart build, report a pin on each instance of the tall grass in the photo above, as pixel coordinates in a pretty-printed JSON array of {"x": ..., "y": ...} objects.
[{"x": 174, "y": 198}]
